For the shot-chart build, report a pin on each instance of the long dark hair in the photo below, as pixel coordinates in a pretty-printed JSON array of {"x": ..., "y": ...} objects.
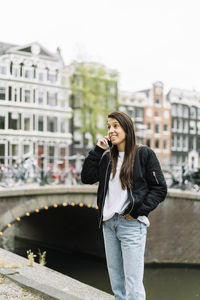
[{"x": 126, "y": 172}]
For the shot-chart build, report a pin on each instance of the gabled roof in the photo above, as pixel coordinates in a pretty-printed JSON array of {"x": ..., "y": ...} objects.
[{"x": 31, "y": 49}]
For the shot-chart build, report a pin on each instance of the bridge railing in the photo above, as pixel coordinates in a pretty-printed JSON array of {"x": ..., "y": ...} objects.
[{"x": 40, "y": 169}]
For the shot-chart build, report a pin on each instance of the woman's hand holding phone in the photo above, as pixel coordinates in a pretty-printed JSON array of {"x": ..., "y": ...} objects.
[{"x": 104, "y": 143}]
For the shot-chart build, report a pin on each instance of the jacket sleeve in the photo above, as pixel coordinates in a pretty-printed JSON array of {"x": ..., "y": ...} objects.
[
  {"x": 157, "y": 186},
  {"x": 90, "y": 169}
]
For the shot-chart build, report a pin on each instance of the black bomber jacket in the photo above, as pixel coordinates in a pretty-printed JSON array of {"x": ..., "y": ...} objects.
[{"x": 149, "y": 187}]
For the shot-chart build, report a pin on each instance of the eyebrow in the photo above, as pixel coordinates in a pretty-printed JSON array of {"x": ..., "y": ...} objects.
[{"x": 115, "y": 122}]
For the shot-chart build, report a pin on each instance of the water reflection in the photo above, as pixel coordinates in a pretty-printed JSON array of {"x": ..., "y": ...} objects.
[{"x": 161, "y": 283}]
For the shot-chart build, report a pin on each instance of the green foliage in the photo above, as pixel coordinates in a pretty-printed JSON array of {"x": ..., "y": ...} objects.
[{"x": 94, "y": 94}]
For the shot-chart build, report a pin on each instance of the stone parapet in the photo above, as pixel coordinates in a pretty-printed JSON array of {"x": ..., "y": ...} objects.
[{"x": 46, "y": 282}]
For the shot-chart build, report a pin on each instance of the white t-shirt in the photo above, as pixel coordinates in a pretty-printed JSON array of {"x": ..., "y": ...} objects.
[{"x": 116, "y": 200}]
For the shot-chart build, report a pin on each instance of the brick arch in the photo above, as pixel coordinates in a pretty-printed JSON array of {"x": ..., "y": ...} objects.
[{"x": 32, "y": 206}]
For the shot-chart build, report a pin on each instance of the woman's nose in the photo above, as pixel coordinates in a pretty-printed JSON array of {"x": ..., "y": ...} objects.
[{"x": 110, "y": 130}]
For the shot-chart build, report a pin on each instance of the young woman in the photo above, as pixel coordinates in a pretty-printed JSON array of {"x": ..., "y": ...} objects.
[{"x": 131, "y": 185}]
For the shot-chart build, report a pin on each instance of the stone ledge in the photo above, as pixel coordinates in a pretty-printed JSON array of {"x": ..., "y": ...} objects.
[
  {"x": 50, "y": 284},
  {"x": 35, "y": 189}
]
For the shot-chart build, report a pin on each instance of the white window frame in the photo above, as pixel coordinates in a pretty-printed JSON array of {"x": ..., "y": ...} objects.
[
  {"x": 25, "y": 115},
  {"x": 44, "y": 96},
  {"x": 60, "y": 119},
  {"x": 30, "y": 69},
  {"x": 23, "y": 95},
  {"x": 37, "y": 120},
  {"x": 17, "y": 68},
  {"x": 2, "y": 65}
]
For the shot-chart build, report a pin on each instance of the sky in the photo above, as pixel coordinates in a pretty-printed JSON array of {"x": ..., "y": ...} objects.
[{"x": 144, "y": 40}]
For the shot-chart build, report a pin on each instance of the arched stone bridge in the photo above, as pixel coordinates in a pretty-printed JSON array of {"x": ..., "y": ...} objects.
[
  {"x": 16, "y": 203},
  {"x": 66, "y": 216}
]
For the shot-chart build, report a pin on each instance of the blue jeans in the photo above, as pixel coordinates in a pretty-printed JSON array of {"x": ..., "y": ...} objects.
[{"x": 125, "y": 245}]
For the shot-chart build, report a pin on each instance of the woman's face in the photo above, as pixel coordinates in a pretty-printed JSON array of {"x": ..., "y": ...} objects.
[{"x": 116, "y": 134}]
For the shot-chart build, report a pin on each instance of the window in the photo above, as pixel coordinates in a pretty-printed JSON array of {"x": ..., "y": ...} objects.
[
  {"x": 77, "y": 99},
  {"x": 2, "y": 93},
  {"x": 138, "y": 113},
  {"x": 52, "y": 124},
  {"x": 2, "y": 122},
  {"x": 40, "y": 123},
  {"x": 26, "y": 149},
  {"x": 15, "y": 72},
  {"x": 185, "y": 142},
  {"x": 131, "y": 112},
  {"x": 149, "y": 126},
  {"x": 178, "y": 124},
  {"x": 3, "y": 70},
  {"x": 173, "y": 141},
  {"x": 179, "y": 110},
  {"x": 185, "y": 111},
  {"x": 51, "y": 153},
  {"x": 40, "y": 98},
  {"x": 157, "y": 113},
  {"x": 52, "y": 99},
  {"x": 165, "y": 127},
  {"x": 185, "y": 126},
  {"x": 166, "y": 114},
  {"x": 2, "y": 153},
  {"x": 14, "y": 149},
  {"x": 157, "y": 128},
  {"x": 157, "y": 144},
  {"x": 78, "y": 139},
  {"x": 10, "y": 93},
  {"x": 157, "y": 101},
  {"x": 192, "y": 126},
  {"x": 178, "y": 141},
  {"x": 27, "y": 123},
  {"x": 51, "y": 77},
  {"x": 27, "y": 96},
  {"x": 173, "y": 123},
  {"x": 193, "y": 112},
  {"x": 165, "y": 144},
  {"x": 27, "y": 74},
  {"x": 148, "y": 142},
  {"x": 41, "y": 76},
  {"x": 14, "y": 121},
  {"x": 149, "y": 112},
  {"x": 62, "y": 126},
  {"x": 15, "y": 95},
  {"x": 198, "y": 127}
]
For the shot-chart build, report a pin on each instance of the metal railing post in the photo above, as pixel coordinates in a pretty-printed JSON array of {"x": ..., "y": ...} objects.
[{"x": 42, "y": 181}]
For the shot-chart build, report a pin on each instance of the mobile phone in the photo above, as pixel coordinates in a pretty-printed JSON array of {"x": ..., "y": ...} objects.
[{"x": 109, "y": 144}]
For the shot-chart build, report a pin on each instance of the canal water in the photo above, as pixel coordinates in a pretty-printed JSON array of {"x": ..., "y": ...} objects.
[{"x": 161, "y": 283}]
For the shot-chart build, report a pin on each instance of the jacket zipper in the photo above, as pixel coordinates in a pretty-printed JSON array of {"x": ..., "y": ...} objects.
[
  {"x": 154, "y": 174},
  {"x": 104, "y": 195},
  {"x": 133, "y": 203}
]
